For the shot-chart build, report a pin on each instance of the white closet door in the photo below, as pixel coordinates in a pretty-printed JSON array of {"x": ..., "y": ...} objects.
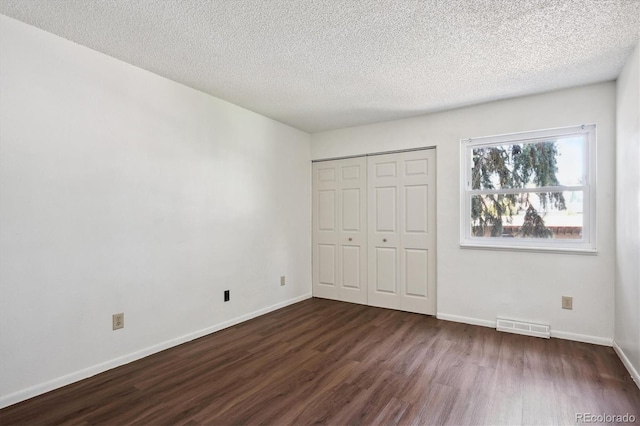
[
  {"x": 402, "y": 246},
  {"x": 340, "y": 230}
]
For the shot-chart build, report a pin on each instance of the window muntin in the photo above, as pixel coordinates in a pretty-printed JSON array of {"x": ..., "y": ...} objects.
[{"x": 530, "y": 190}]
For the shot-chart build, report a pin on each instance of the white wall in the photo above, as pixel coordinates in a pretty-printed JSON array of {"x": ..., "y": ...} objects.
[
  {"x": 478, "y": 285},
  {"x": 627, "y": 301},
  {"x": 122, "y": 191}
]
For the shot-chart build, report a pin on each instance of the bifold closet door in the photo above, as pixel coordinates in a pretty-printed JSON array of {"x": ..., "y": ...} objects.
[
  {"x": 401, "y": 249},
  {"x": 340, "y": 230}
]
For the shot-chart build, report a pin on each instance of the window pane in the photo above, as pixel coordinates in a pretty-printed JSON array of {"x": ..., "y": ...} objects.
[
  {"x": 528, "y": 215},
  {"x": 534, "y": 164}
]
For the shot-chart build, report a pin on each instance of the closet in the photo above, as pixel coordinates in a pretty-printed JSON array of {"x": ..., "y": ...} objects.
[{"x": 374, "y": 230}]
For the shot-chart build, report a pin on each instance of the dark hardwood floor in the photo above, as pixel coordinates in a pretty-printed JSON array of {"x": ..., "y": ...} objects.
[{"x": 321, "y": 361}]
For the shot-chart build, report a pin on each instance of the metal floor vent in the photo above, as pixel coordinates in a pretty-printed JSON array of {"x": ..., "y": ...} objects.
[{"x": 521, "y": 327}]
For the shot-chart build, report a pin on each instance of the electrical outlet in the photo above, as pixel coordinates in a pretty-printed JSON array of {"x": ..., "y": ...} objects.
[
  {"x": 282, "y": 280},
  {"x": 227, "y": 297},
  {"x": 118, "y": 321},
  {"x": 567, "y": 302}
]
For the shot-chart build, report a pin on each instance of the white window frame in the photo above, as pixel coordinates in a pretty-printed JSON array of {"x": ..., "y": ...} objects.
[{"x": 587, "y": 244}]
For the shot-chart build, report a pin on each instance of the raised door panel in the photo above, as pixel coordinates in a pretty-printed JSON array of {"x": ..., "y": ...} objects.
[
  {"x": 351, "y": 211},
  {"x": 416, "y": 167},
  {"x": 385, "y": 209},
  {"x": 351, "y": 267},
  {"x": 327, "y": 174},
  {"x": 385, "y": 169},
  {"x": 352, "y": 172},
  {"x": 327, "y": 264},
  {"x": 327, "y": 210},
  {"x": 385, "y": 277},
  {"x": 416, "y": 265},
  {"x": 416, "y": 206}
]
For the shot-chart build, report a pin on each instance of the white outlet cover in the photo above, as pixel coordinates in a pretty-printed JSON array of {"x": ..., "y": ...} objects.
[{"x": 118, "y": 321}]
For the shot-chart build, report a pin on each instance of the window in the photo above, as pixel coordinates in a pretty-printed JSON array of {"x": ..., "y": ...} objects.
[{"x": 530, "y": 191}]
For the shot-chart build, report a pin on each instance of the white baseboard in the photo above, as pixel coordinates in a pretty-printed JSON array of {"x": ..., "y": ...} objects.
[
  {"x": 59, "y": 382},
  {"x": 627, "y": 363},
  {"x": 585, "y": 338},
  {"x": 554, "y": 333},
  {"x": 466, "y": 320}
]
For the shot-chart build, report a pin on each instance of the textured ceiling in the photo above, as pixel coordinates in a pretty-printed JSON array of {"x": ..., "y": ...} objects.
[{"x": 326, "y": 64}]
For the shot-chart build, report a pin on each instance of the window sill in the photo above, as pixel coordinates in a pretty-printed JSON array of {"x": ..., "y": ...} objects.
[{"x": 535, "y": 249}]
